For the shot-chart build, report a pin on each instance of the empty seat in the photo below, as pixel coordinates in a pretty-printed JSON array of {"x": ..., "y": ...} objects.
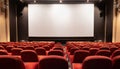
[
  {"x": 29, "y": 48},
  {"x": 47, "y": 48},
  {"x": 16, "y": 51},
  {"x": 93, "y": 51},
  {"x": 112, "y": 49},
  {"x": 9, "y": 48},
  {"x": 97, "y": 62},
  {"x": 53, "y": 62},
  {"x": 56, "y": 52},
  {"x": 58, "y": 48},
  {"x": 115, "y": 53},
  {"x": 72, "y": 50},
  {"x": 40, "y": 51},
  {"x": 80, "y": 55},
  {"x": 104, "y": 48},
  {"x": 116, "y": 62},
  {"x": 104, "y": 53},
  {"x": 2, "y": 48},
  {"x": 3, "y": 52},
  {"x": 29, "y": 56},
  {"x": 85, "y": 48},
  {"x": 23, "y": 47},
  {"x": 9, "y": 62}
]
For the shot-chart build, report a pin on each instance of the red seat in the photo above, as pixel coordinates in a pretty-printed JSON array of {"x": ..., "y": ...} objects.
[
  {"x": 104, "y": 53},
  {"x": 112, "y": 49},
  {"x": 86, "y": 48},
  {"x": 93, "y": 51},
  {"x": 2, "y": 48},
  {"x": 40, "y": 51},
  {"x": 80, "y": 55},
  {"x": 115, "y": 53},
  {"x": 56, "y": 52},
  {"x": 9, "y": 48},
  {"x": 104, "y": 48},
  {"x": 3, "y": 52},
  {"x": 53, "y": 62},
  {"x": 47, "y": 48},
  {"x": 116, "y": 62},
  {"x": 9, "y": 62},
  {"x": 29, "y": 48},
  {"x": 29, "y": 56},
  {"x": 23, "y": 47},
  {"x": 97, "y": 62},
  {"x": 16, "y": 51},
  {"x": 72, "y": 50},
  {"x": 58, "y": 48}
]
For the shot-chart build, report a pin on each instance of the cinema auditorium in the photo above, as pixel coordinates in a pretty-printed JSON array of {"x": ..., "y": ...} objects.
[{"x": 59, "y": 34}]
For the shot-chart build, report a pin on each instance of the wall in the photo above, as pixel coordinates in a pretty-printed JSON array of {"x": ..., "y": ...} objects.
[
  {"x": 3, "y": 36},
  {"x": 4, "y": 22},
  {"x": 116, "y": 24},
  {"x": 13, "y": 20},
  {"x": 117, "y": 38},
  {"x": 109, "y": 20},
  {"x": 23, "y": 25}
]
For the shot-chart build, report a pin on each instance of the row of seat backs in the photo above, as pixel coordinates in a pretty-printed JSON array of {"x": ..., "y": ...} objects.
[
  {"x": 39, "y": 50},
  {"x": 80, "y": 55},
  {"x": 112, "y": 49},
  {"x": 101, "y": 62},
  {"x": 58, "y": 62},
  {"x": 9, "y": 48},
  {"x": 40, "y": 43},
  {"x": 50, "y": 62},
  {"x": 31, "y": 55}
]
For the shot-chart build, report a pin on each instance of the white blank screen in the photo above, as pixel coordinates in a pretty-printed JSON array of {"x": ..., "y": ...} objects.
[{"x": 61, "y": 20}]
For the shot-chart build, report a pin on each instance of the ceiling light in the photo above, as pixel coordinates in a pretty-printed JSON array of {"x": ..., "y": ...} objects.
[
  {"x": 35, "y": 1},
  {"x": 87, "y": 1},
  {"x": 60, "y": 1}
]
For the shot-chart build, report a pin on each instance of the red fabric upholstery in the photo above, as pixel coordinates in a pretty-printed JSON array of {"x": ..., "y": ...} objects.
[
  {"x": 2, "y": 48},
  {"x": 29, "y": 56},
  {"x": 9, "y": 48},
  {"x": 58, "y": 48},
  {"x": 47, "y": 48},
  {"x": 86, "y": 48},
  {"x": 80, "y": 55},
  {"x": 9, "y": 62},
  {"x": 16, "y": 51},
  {"x": 104, "y": 48},
  {"x": 29, "y": 48},
  {"x": 56, "y": 52},
  {"x": 3, "y": 52},
  {"x": 53, "y": 62},
  {"x": 115, "y": 53},
  {"x": 116, "y": 62},
  {"x": 93, "y": 51},
  {"x": 112, "y": 49},
  {"x": 104, "y": 53},
  {"x": 72, "y": 50},
  {"x": 97, "y": 62},
  {"x": 23, "y": 47},
  {"x": 40, "y": 51}
]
